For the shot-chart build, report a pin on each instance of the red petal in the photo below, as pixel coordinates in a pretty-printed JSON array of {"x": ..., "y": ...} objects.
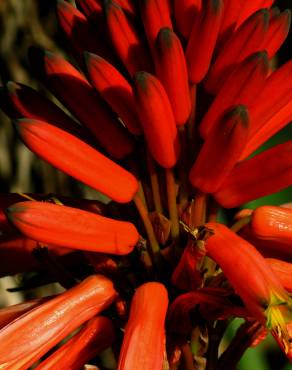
[
  {"x": 71, "y": 227},
  {"x": 74, "y": 91},
  {"x": 172, "y": 72},
  {"x": 78, "y": 159},
  {"x": 29, "y": 337},
  {"x": 185, "y": 13},
  {"x": 250, "y": 7},
  {"x": 266, "y": 173},
  {"x": 156, "y": 116},
  {"x": 241, "y": 87},
  {"x": 97, "y": 335},
  {"x": 247, "y": 40},
  {"x": 203, "y": 39},
  {"x": 144, "y": 340},
  {"x": 155, "y": 15},
  {"x": 125, "y": 39},
  {"x": 115, "y": 89},
  {"x": 221, "y": 151}
]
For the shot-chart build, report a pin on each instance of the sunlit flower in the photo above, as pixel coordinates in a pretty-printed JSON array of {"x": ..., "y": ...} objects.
[{"x": 165, "y": 104}]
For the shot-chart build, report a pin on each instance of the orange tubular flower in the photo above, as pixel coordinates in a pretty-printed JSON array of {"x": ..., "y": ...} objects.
[
  {"x": 97, "y": 335},
  {"x": 263, "y": 295},
  {"x": 28, "y": 338},
  {"x": 186, "y": 13},
  {"x": 273, "y": 169},
  {"x": 19, "y": 101},
  {"x": 10, "y": 313},
  {"x": 125, "y": 39},
  {"x": 272, "y": 223},
  {"x": 221, "y": 151},
  {"x": 203, "y": 39},
  {"x": 115, "y": 90},
  {"x": 144, "y": 341},
  {"x": 71, "y": 227},
  {"x": 80, "y": 33},
  {"x": 278, "y": 31},
  {"x": 172, "y": 72},
  {"x": 155, "y": 15},
  {"x": 156, "y": 116},
  {"x": 247, "y": 40},
  {"x": 241, "y": 87},
  {"x": 283, "y": 270},
  {"x": 77, "y": 159},
  {"x": 60, "y": 77},
  {"x": 271, "y": 112}
]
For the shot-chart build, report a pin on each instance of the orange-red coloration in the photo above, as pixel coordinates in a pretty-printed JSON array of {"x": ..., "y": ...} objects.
[
  {"x": 203, "y": 39},
  {"x": 115, "y": 90},
  {"x": 97, "y": 335},
  {"x": 265, "y": 173},
  {"x": 283, "y": 270},
  {"x": 240, "y": 261},
  {"x": 28, "y": 338},
  {"x": 171, "y": 70},
  {"x": 156, "y": 116},
  {"x": 272, "y": 223},
  {"x": 247, "y": 40},
  {"x": 144, "y": 341},
  {"x": 241, "y": 87},
  {"x": 71, "y": 227},
  {"x": 155, "y": 15},
  {"x": 250, "y": 7},
  {"x": 61, "y": 77},
  {"x": 77, "y": 159},
  {"x": 220, "y": 151},
  {"x": 125, "y": 39},
  {"x": 186, "y": 14}
]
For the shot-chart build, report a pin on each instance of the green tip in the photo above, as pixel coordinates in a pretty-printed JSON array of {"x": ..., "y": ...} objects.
[
  {"x": 166, "y": 36},
  {"x": 141, "y": 79}
]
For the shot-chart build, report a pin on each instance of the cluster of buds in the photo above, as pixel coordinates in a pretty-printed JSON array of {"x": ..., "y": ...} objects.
[{"x": 167, "y": 101}]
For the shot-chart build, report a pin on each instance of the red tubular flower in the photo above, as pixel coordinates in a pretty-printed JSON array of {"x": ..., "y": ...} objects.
[
  {"x": 54, "y": 224},
  {"x": 19, "y": 101},
  {"x": 252, "y": 278},
  {"x": 247, "y": 40},
  {"x": 231, "y": 14},
  {"x": 10, "y": 313},
  {"x": 144, "y": 340},
  {"x": 251, "y": 7},
  {"x": 241, "y": 87},
  {"x": 185, "y": 13},
  {"x": 273, "y": 169},
  {"x": 80, "y": 33},
  {"x": 115, "y": 90},
  {"x": 283, "y": 270},
  {"x": 172, "y": 72},
  {"x": 28, "y": 338},
  {"x": 221, "y": 151},
  {"x": 60, "y": 77},
  {"x": 97, "y": 335},
  {"x": 272, "y": 223},
  {"x": 125, "y": 39},
  {"x": 128, "y": 6},
  {"x": 271, "y": 112},
  {"x": 155, "y": 15},
  {"x": 90, "y": 7},
  {"x": 278, "y": 31},
  {"x": 203, "y": 39},
  {"x": 156, "y": 116},
  {"x": 78, "y": 159}
]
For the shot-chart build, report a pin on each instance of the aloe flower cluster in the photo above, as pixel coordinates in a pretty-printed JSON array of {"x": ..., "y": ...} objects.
[{"x": 166, "y": 102}]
